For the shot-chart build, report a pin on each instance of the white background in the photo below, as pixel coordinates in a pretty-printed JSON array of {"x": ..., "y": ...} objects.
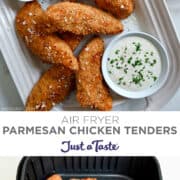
[{"x": 154, "y": 145}]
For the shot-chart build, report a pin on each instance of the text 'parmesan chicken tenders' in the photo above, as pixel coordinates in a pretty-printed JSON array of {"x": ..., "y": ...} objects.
[
  {"x": 52, "y": 88},
  {"x": 49, "y": 48},
  {"x": 79, "y": 19},
  {"x": 91, "y": 90},
  {"x": 55, "y": 177},
  {"x": 119, "y": 8}
]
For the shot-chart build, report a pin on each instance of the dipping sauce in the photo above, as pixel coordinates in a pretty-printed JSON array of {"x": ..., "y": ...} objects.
[{"x": 134, "y": 64}]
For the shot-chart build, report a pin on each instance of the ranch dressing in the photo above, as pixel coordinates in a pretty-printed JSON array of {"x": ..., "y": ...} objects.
[{"x": 134, "y": 64}]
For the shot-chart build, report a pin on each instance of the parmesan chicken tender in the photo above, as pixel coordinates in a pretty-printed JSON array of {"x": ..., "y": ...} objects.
[
  {"x": 55, "y": 177},
  {"x": 84, "y": 179},
  {"x": 49, "y": 48},
  {"x": 79, "y": 19},
  {"x": 91, "y": 90},
  {"x": 71, "y": 39},
  {"x": 52, "y": 88},
  {"x": 70, "y": 0},
  {"x": 120, "y": 8}
]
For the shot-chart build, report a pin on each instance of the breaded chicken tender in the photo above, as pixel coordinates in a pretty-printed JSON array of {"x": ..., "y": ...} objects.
[
  {"x": 91, "y": 90},
  {"x": 70, "y": 0},
  {"x": 55, "y": 177},
  {"x": 119, "y": 8},
  {"x": 71, "y": 39},
  {"x": 49, "y": 48},
  {"x": 78, "y": 19},
  {"x": 83, "y": 179},
  {"x": 52, "y": 88}
]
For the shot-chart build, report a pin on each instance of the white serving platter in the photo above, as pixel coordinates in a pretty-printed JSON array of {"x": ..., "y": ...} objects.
[{"x": 151, "y": 16}]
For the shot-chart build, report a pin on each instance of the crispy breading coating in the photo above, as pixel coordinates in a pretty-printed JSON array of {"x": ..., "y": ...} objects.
[
  {"x": 83, "y": 179},
  {"x": 91, "y": 90},
  {"x": 49, "y": 48},
  {"x": 52, "y": 88},
  {"x": 55, "y": 177},
  {"x": 78, "y": 19},
  {"x": 70, "y": 0},
  {"x": 71, "y": 39},
  {"x": 120, "y": 8}
]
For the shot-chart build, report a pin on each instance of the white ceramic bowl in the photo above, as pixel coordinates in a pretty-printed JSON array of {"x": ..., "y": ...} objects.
[{"x": 145, "y": 92}]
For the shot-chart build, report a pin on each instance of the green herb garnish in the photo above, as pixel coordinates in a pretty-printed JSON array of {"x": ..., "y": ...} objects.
[
  {"x": 126, "y": 70},
  {"x": 117, "y": 51},
  {"x": 146, "y": 60},
  {"x": 118, "y": 67},
  {"x": 137, "y": 63},
  {"x": 154, "y": 78},
  {"x": 129, "y": 60},
  {"x": 138, "y": 46},
  {"x": 112, "y": 61}
]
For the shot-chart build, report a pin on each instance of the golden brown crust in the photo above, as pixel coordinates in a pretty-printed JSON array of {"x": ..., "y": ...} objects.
[
  {"x": 91, "y": 90},
  {"x": 50, "y": 48},
  {"x": 120, "y": 8},
  {"x": 70, "y": 0},
  {"x": 71, "y": 39},
  {"x": 79, "y": 19},
  {"x": 55, "y": 177},
  {"x": 52, "y": 88}
]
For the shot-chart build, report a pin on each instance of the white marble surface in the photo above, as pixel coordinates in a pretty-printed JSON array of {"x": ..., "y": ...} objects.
[
  {"x": 174, "y": 6},
  {"x": 9, "y": 98}
]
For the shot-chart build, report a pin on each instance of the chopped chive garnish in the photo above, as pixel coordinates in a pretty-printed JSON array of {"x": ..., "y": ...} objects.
[
  {"x": 112, "y": 61},
  {"x": 146, "y": 60},
  {"x": 117, "y": 51},
  {"x": 154, "y": 78},
  {"x": 121, "y": 78},
  {"x": 126, "y": 70},
  {"x": 135, "y": 61},
  {"x": 129, "y": 60},
  {"x": 118, "y": 67}
]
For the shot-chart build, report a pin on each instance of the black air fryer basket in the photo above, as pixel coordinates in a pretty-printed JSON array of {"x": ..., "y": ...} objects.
[{"x": 102, "y": 168}]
